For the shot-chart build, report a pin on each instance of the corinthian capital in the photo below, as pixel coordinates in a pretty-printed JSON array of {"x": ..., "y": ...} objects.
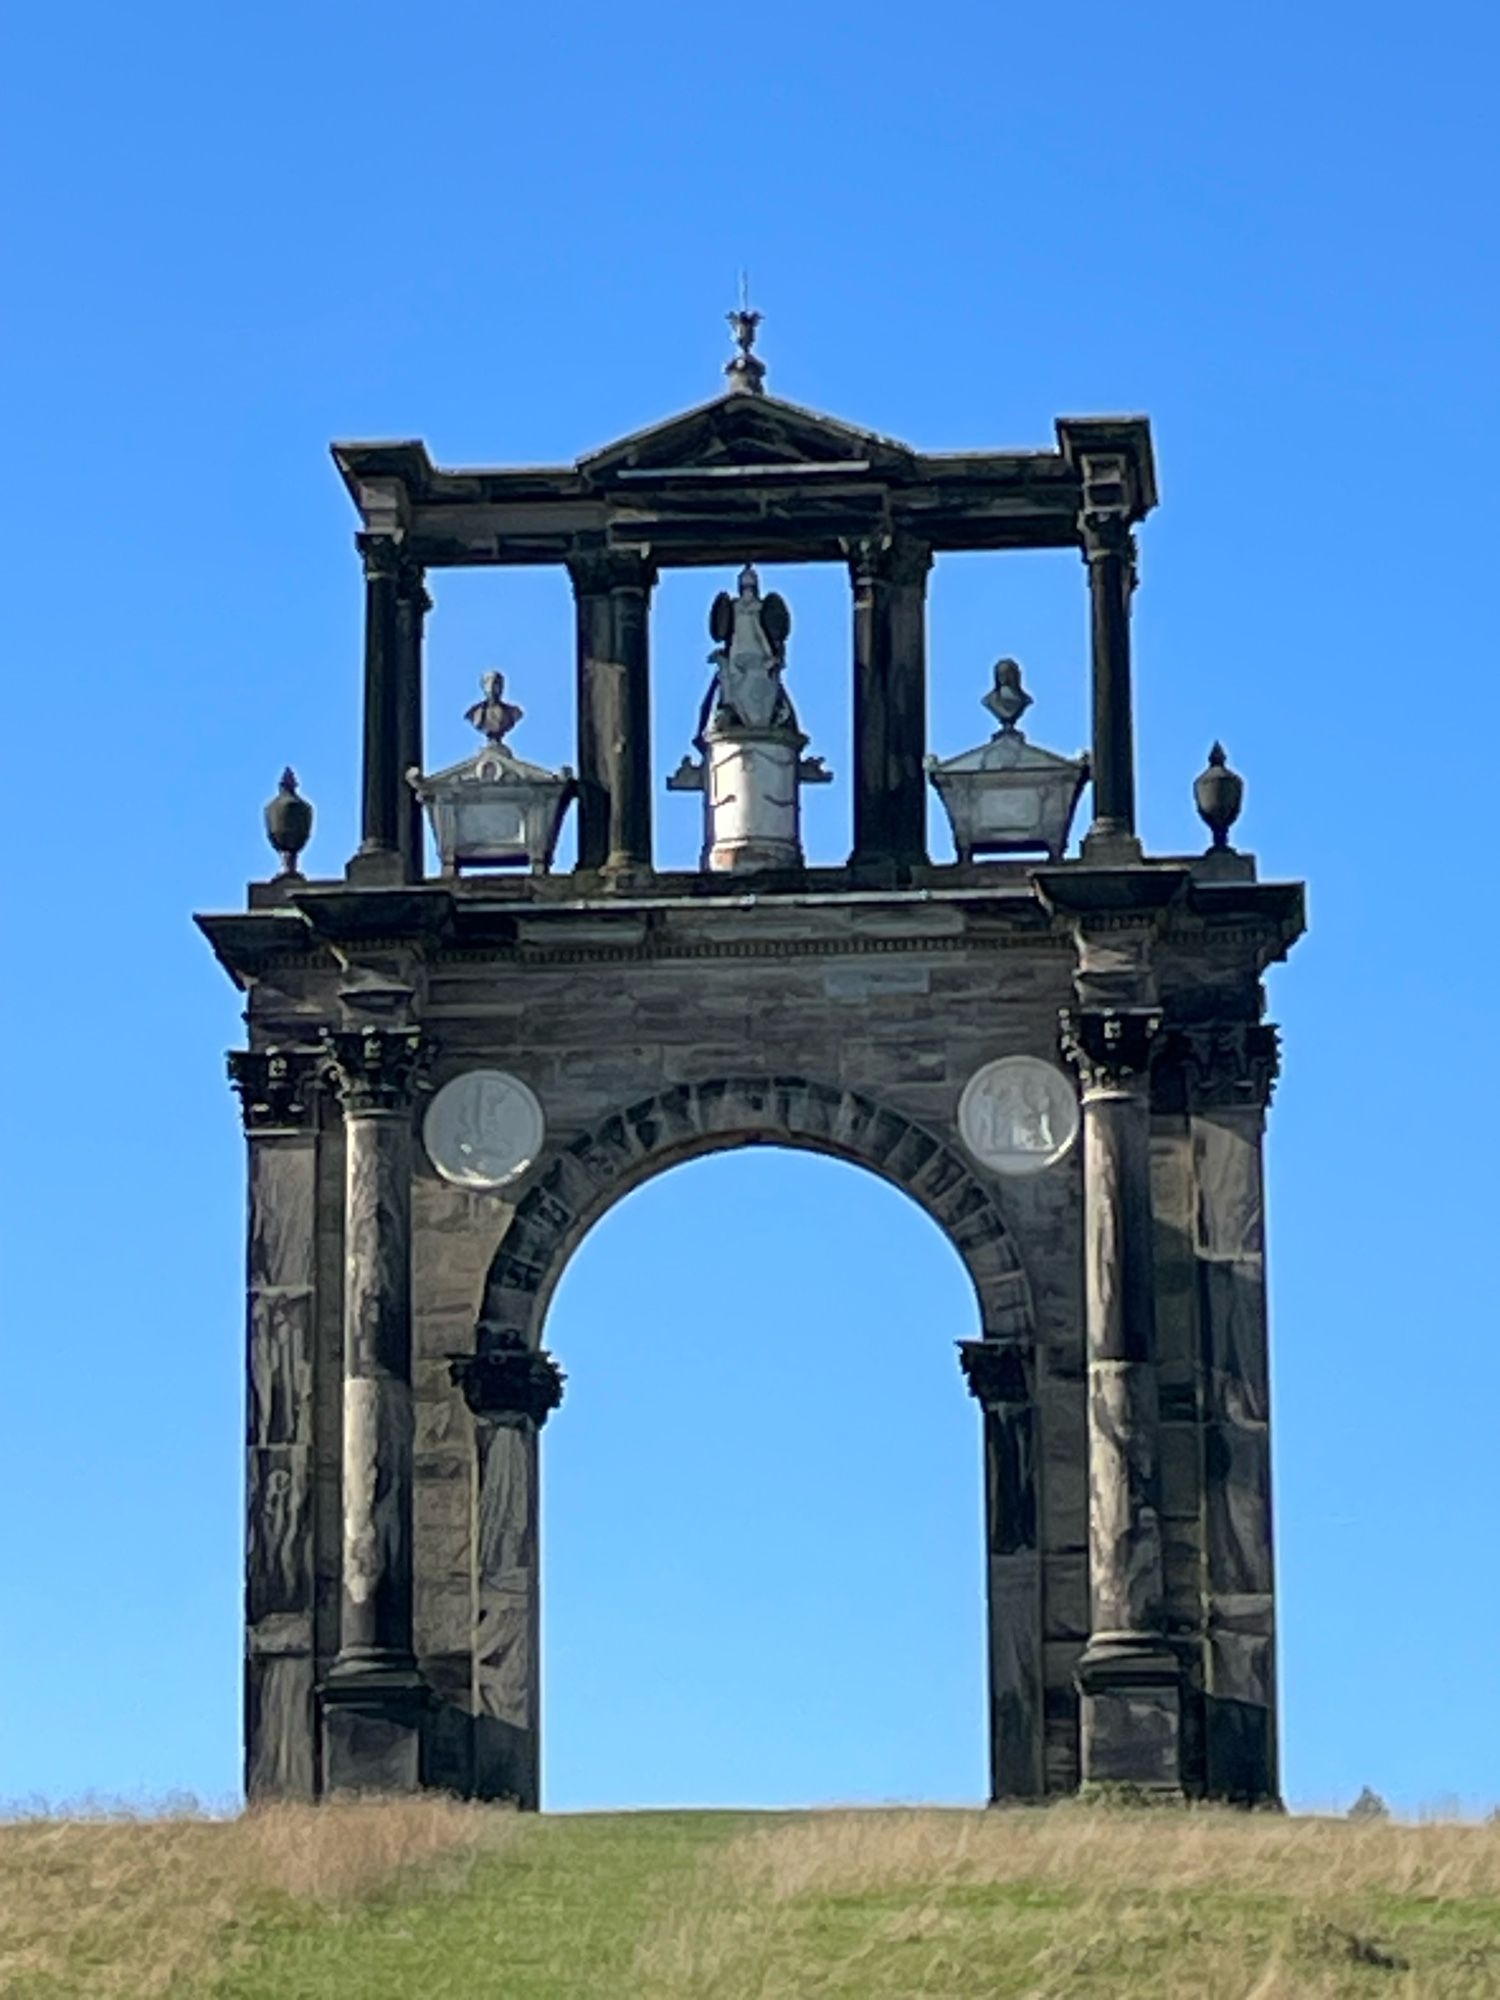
[
  {"x": 381, "y": 556},
  {"x": 1110, "y": 1047},
  {"x": 1228, "y": 1063},
  {"x": 996, "y": 1371},
  {"x": 512, "y": 1380},
  {"x": 886, "y": 557},
  {"x": 595, "y": 571},
  {"x": 1106, "y": 513},
  {"x": 277, "y": 1087},
  {"x": 375, "y": 1069}
]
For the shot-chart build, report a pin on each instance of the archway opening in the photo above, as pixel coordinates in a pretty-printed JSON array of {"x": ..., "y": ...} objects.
[{"x": 762, "y": 1520}]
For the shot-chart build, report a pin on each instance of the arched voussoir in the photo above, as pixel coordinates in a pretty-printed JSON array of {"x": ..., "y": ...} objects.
[{"x": 578, "y": 1181}]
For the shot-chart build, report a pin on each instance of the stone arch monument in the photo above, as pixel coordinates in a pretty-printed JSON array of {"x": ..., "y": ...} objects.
[{"x": 449, "y": 1076}]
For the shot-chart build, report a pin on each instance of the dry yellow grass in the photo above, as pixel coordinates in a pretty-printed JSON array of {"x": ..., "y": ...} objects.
[
  {"x": 124, "y": 1908},
  {"x": 1082, "y": 1847},
  {"x": 1068, "y": 1903},
  {"x": 1072, "y": 1901}
]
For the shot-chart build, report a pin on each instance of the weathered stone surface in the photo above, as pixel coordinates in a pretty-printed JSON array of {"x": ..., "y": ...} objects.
[
  {"x": 1132, "y": 1737},
  {"x": 280, "y": 1364},
  {"x": 1016, "y": 1676},
  {"x": 1124, "y": 1521},
  {"x": 280, "y": 1554},
  {"x": 506, "y": 1622},
  {"x": 1226, "y": 1165},
  {"x": 1238, "y": 1506},
  {"x": 368, "y": 1750},
  {"x": 1067, "y": 1595},
  {"x": 279, "y": 1498},
  {"x": 280, "y": 1727}
]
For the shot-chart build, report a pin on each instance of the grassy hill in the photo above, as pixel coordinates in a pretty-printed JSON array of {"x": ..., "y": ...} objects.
[{"x": 430, "y": 1900}]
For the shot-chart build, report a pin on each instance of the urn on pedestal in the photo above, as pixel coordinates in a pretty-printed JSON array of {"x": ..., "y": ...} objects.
[
  {"x": 1009, "y": 796},
  {"x": 494, "y": 810}
]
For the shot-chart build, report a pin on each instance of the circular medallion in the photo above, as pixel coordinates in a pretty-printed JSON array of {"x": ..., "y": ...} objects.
[
  {"x": 1018, "y": 1115},
  {"x": 483, "y": 1129}
]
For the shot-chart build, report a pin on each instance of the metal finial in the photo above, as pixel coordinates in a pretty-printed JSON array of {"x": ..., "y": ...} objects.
[
  {"x": 289, "y": 822},
  {"x": 1007, "y": 700},
  {"x": 746, "y": 372},
  {"x": 1218, "y": 793}
]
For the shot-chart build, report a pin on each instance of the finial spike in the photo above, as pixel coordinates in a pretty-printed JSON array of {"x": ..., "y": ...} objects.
[{"x": 746, "y": 371}]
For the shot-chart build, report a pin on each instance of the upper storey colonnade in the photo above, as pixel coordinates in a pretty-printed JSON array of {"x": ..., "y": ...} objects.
[{"x": 745, "y": 478}]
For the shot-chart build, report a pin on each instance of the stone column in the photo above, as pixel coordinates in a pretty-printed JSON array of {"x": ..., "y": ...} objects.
[
  {"x": 999, "y": 1375},
  {"x": 1230, "y": 1069},
  {"x": 1128, "y": 1676},
  {"x": 613, "y": 591},
  {"x": 889, "y": 577},
  {"x": 373, "y": 1697},
  {"x": 1104, "y": 527},
  {"x": 379, "y": 856},
  {"x": 511, "y": 1390},
  {"x": 278, "y": 1090},
  {"x": 412, "y": 607}
]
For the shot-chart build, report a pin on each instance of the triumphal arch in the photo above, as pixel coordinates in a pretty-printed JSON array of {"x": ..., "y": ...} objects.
[{"x": 1055, "y": 1046}]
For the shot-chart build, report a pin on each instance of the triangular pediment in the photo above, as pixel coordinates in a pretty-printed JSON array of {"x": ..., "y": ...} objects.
[{"x": 744, "y": 430}]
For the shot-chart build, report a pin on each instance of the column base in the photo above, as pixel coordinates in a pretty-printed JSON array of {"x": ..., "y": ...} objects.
[
  {"x": 1107, "y": 845},
  {"x": 376, "y": 867},
  {"x": 1132, "y": 1717},
  {"x": 373, "y": 1719},
  {"x": 625, "y": 872}
]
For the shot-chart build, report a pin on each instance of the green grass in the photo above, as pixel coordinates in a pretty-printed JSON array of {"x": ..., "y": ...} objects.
[{"x": 430, "y": 1900}]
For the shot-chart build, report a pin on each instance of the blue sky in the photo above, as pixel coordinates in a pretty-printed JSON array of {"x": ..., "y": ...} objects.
[{"x": 236, "y": 234}]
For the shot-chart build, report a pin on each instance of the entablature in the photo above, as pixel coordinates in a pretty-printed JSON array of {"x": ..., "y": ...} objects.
[
  {"x": 332, "y": 924},
  {"x": 744, "y": 476}
]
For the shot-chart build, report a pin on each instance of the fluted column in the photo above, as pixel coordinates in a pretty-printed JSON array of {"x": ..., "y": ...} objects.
[
  {"x": 1104, "y": 527},
  {"x": 999, "y": 1375},
  {"x": 511, "y": 1390},
  {"x": 1128, "y": 1676},
  {"x": 372, "y": 1695},
  {"x": 888, "y": 574},
  {"x": 412, "y": 607},
  {"x": 278, "y": 1090},
  {"x": 613, "y": 592}
]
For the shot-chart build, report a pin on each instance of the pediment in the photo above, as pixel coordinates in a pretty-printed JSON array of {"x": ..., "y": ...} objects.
[{"x": 747, "y": 431}]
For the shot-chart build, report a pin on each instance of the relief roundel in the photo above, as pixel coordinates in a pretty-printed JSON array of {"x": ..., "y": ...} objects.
[
  {"x": 1018, "y": 1115},
  {"x": 483, "y": 1129}
]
